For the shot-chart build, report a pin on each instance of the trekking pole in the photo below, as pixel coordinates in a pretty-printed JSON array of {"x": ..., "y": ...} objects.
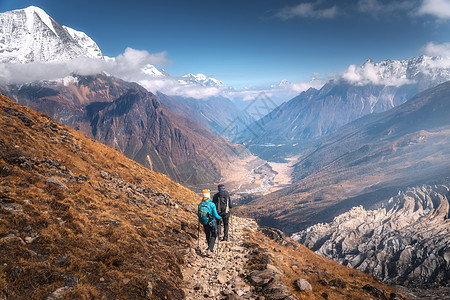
[
  {"x": 198, "y": 235},
  {"x": 218, "y": 244},
  {"x": 231, "y": 225}
]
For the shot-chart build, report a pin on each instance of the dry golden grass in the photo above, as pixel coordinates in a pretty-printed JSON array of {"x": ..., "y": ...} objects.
[{"x": 103, "y": 237}]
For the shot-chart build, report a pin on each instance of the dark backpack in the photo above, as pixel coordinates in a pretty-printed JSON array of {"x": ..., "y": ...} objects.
[
  {"x": 222, "y": 201},
  {"x": 204, "y": 213}
]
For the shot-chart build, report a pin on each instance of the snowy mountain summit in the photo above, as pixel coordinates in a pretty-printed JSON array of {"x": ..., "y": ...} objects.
[
  {"x": 31, "y": 35},
  {"x": 423, "y": 70},
  {"x": 203, "y": 80}
]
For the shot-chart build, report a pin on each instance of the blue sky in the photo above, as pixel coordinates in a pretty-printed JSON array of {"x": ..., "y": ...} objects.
[{"x": 256, "y": 43}]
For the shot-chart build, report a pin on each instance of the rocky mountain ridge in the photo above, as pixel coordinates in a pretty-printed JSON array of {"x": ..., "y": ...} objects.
[{"x": 406, "y": 241}]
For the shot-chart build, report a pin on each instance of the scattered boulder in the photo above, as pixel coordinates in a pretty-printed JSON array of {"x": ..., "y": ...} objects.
[
  {"x": 55, "y": 181},
  {"x": 62, "y": 261},
  {"x": 15, "y": 272},
  {"x": 12, "y": 239},
  {"x": 303, "y": 285},
  {"x": 59, "y": 293},
  {"x": 339, "y": 283},
  {"x": 376, "y": 292},
  {"x": 12, "y": 208},
  {"x": 14, "y": 112},
  {"x": 396, "y": 296}
]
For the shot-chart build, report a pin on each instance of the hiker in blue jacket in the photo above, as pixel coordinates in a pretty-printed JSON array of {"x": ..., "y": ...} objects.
[{"x": 207, "y": 214}]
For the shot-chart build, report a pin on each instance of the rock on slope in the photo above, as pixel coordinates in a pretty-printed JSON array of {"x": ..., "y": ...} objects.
[{"x": 406, "y": 241}]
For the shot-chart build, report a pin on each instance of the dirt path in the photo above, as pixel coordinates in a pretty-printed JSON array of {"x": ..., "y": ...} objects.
[{"x": 220, "y": 276}]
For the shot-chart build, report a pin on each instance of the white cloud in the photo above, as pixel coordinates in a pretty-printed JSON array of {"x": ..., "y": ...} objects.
[
  {"x": 376, "y": 7},
  {"x": 373, "y": 73},
  {"x": 308, "y": 10},
  {"x": 437, "y": 8},
  {"x": 432, "y": 49},
  {"x": 127, "y": 66}
]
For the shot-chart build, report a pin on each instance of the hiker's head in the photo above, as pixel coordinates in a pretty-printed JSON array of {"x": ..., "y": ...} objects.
[
  {"x": 206, "y": 194},
  {"x": 221, "y": 187}
]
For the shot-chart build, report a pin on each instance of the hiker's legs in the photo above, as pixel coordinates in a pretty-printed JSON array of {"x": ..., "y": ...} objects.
[
  {"x": 212, "y": 238},
  {"x": 207, "y": 233},
  {"x": 226, "y": 223},
  {"x": 219, "y": 227}
]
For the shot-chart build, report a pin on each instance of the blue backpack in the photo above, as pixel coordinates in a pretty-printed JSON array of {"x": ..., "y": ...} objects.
[{"x": 204, "y": 213}]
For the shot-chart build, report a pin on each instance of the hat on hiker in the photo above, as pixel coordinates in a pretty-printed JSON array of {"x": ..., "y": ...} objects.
[
  {"x": 221, "y": 186},
  {"x": 206, "y": 194}
]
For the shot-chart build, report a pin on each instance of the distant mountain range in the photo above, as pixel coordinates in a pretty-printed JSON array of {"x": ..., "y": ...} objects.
[
  {"x": 365, "y": 162},
  {"x": 370, "y": 88}
]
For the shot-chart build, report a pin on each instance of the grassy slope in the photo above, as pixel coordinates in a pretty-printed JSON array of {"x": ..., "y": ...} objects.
[{"x": 104, "y": 236}]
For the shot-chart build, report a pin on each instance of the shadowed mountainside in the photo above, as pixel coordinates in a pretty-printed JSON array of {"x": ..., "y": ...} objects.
[{"x": 126, "y": 117}]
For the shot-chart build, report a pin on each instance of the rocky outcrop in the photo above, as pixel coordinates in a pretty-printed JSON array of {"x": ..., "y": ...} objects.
[{"x": 405, "y": 241}]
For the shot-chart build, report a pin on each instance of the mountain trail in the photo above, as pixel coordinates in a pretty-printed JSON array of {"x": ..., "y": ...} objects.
[{"x": 221, "y": 276}]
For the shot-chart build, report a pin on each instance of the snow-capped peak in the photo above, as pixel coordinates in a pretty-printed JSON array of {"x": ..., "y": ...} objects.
[
  {"x": 32, "y": 10},
  {"x": 30, "y": 34},
  {"x": 399, "y": 72},
  {"x": 203, "y": 80},
  {"x": 153, "y": 71}
]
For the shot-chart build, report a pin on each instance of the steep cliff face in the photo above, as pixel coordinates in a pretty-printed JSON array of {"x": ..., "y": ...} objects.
[
  {"x": 139, "y": 126},
  {"x": 405, "y": 241}
]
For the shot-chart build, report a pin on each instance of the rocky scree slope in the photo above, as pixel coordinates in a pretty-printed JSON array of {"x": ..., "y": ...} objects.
[
  {"x": 406, "y": 241},
  {"x": 261, "y": 263},
  {"x": 79, "y": 220},
  {"x": 125, "y": 116}
]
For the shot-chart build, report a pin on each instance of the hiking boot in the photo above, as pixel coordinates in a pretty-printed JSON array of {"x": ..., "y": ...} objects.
[
  {"x": 224, "y": 239},
  {"x": 209, "y": 253}
]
